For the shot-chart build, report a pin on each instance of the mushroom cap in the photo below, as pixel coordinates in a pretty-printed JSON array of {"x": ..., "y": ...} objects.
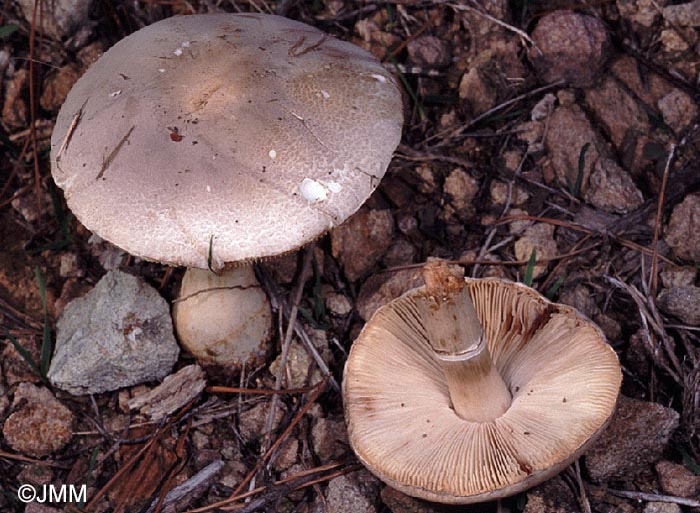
[
  {"x": 242, "y": 136},
  {"x": 562, "y": 375}
]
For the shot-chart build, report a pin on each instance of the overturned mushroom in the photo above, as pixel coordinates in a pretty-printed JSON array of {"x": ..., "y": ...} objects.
[
  {"x": 445, "y": 410},
  {"x": 212, "y": 139}
]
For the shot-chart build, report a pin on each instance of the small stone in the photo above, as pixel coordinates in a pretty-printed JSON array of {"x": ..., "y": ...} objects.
[
  {"x": 329, "y": 438},
  {"x": 677, "y": 40},
  {"x": 429, "y": 51},
  {"x": 610, "y": 188},
  {"x": 71, "y": 266},
  {"x": 661, "y": 507},
  {"x": 677, "y": 480},
  {"x": 681, "y": 302},
  {"x": 36, "y": 475},
  {"x": 477, "y": 92},
  {"x": 461, "y": 189},
  {"x": 379, "y": 289},
  {"x": 569, "y": 131},
  {"x": 683, "y": 230},
  {"x": 35, "y": 507},
  {"x": 353, "y": 493},
  {"x": 401, "y": 252},
  {"x": 539, "y": 237},
  {"x": 337, "y": 304},
  {"x": 253, "y": 422},
  {"x": 360, "y": 242},
  {"x": 14, "y": 108},
  {"x": 579, "y": 297},
  {"x": 635, "y": 439},
  {"x": 60, "y": 18},
  {"x": 683, "y": 15},
  {"x": 40, "y": 424},
  {"x": 428, "y": 183},
  {"x": 552, "y": 496},
  {"x": 119, "y": 334},
  {"x": 678, "y": 276},
  {"x": 286, "y": 455},
  {"x": 611, "y": 328},
  {"x": 643, "y": 12},
  {"x": 574, "y": 47},
  {"x": 398, "y": 502},
  {"x": 620, "y": 113},
  {"x": 678, "y": 109},
  {"x": 299, "y": 363},
  {"x": 57, "y": 85},
  {"x": 174, "y": 392},
  {"x": 499, "y": 194},
  {"x": 543, "y": 108}
]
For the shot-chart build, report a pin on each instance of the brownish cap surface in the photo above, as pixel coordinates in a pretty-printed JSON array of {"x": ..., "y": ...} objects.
[
  {"x": 251, "y": 133},
  {"x": 564, "y": 380}
]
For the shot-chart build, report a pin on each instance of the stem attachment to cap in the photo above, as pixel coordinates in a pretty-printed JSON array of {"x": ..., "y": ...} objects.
[{"x": 477, "y": 391}]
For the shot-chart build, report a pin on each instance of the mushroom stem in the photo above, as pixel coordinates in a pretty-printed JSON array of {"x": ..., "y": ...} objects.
[{"x": 477, "y": 391}]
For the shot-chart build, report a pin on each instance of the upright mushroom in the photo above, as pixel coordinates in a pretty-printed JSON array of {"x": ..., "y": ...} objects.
[
  {"x": 215, "y": 139},
  {"x": 469, "y": 390}
]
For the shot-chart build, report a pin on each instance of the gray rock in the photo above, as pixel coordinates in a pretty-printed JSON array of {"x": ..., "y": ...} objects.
[
  {"x": 353, "y": 493},
  {"x": 634, "y": 440},
  {"x": 681, "y": 302},
  {"x": 119, "y": 334}
]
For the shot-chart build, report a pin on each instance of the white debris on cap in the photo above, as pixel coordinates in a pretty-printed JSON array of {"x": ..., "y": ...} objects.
[{"x": 229, "y": 109}]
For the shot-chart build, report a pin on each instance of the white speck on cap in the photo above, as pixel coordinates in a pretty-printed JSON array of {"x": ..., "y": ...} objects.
[
  {"x": 312, "y": 191},
  {"x": 380, "y": 78},
  {"x": 178, "y": 51},
  {"x": 334, "y": 187},
  {"x": 209, "y": 94},
  {"x": 185, "y": 44},
  {"x": 325, "y": 95},
  {"x": 115, "y": 93}
]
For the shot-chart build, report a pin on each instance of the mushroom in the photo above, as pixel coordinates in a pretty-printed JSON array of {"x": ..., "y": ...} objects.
[
  {"x": 468, "y": 390},
  {"x": 210, "y": 140}
]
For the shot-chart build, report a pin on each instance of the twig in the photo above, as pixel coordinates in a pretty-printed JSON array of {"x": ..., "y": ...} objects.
[
  {"x": 653, "y": 279},
  {"x": 654, "y": 497},
  {"x": 450, "y": 133},
  {"x": 200, "y": 480}
]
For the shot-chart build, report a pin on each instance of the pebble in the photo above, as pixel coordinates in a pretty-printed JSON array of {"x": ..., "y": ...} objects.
[
  {"x": 62, "y": 19},
  {"x": 540, "y": 237},
  {"x": 678, "y": 276},
  {"x": 683, "y": 230},
  {"x": 678, "y": 109},
  {"x": 361, "y": 241},
  {"x": 574, "y": 48},
  {"x": 686, "y": 14},
  {"x": 57, "y": 85},
  {"x": 635, "y": 439},
  {"x": 677, "y": 480},
  {"x": 119, "y": 334},
  {"x": 353, "y": 493},
  {"x": 661, "y": 507},
  {"x": 329, "y": 438},
  {"x": 612, "y": 189},
  {"x": 40, "y": 424},
  {"x": 681, "y": 302},
  {"x": 461, "y": 189},
  {"x": 552, "y": 496},
  {"x": 381, "y": 288},
  {"x": 643, "y": 12},
  {"x": 398, "y": 502},
  {"x": 429, "y": 51},
  {"x": 14, "y": 108}
]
